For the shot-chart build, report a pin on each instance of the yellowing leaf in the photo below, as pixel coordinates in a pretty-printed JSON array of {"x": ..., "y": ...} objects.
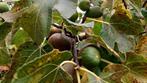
[{"x": 141, "y": 47}]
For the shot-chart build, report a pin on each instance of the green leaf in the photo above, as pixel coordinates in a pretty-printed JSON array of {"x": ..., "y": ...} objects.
[
  {"x": 4, "y": 56},
  {"x": 56, "y": 76},
  {"x": 20, "y": 37},
  {"x": 66, "y": 10},
  {"x": 4, "y": 30},
  {"x": 111, "y": 36},
  {"x": 36, "y": 21},
  {"x": 125, "y": 25},
  {"x": 144, "y": 13},
  {"x": 97, "y": 28},
  {"x": 30, "y": 68},
  {"x": 19, "y": 58},
  {"x": 101, "y": 41},
  {"x": 48, "y": 73}
]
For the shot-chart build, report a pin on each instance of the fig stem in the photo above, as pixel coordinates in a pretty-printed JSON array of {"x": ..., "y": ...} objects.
[
  {"x": 83, "y": 19},
  {"x": 58, "y": 26},
  {"x": 106, "y": 61},
  {"x": 74, "y": 52},
  {"x": 145, "y": 2}
]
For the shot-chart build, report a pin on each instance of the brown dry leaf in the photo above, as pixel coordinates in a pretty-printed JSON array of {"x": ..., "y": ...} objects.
[{"x": 141, "y": 47}]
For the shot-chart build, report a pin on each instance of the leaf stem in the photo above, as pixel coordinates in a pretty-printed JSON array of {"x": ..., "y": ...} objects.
[
  {"x": 106, "y": 61},
  {"x": 74, "y": 52},
  {"x": 100, "y": 21}
]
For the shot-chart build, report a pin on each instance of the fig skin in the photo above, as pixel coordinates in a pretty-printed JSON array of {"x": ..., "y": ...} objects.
[
  {"x": 90, "y": 56},
  {"x": 60, "y": 41},
  {"x": 94, "y": 12},
  {"x": 84, "y": 5},
  {"x": 3, "y": 7}
]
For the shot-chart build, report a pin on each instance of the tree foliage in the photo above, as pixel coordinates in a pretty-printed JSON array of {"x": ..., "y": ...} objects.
[{"x": 113, "y": 32}]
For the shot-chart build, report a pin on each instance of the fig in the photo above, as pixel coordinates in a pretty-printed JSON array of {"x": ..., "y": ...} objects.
[
  {"x": 4, "y": 7},
  {"x": 84, "y": 5},
  {"x": 94, "y": 12},
  {"x": 60, "y": 41},
  {"x": 90, "y": 56}
]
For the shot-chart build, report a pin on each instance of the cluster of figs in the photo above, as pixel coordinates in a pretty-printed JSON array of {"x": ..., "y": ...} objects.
[
  {"x": 90, "y": 10},
  {"x": 89, "y": 55}
]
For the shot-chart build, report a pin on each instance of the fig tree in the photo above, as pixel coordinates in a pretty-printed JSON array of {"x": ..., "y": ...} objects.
[
  {"x": 94, "y": 12},
  {"x": 90, "y": 56},
  {"x": 60, "y": 41},
  {"x": 4, "y": 7},
  {"x": 84, "y": 5}
]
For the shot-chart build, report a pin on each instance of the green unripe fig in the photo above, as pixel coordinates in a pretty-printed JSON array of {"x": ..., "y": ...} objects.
[
  {"x": 60, "y": 41},
  {"x": 74, "y": 17},
  {"x": 94, "y": 12},
  {"x": 4, "y": 7},
  {"x": 90, "y": 56},
  {"x": 84, "y": 5}
]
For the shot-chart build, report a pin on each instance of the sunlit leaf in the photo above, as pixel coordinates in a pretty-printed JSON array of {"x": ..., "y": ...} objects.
[
  {"x": 20, "y": 37},
  {"x": 132, "y": 78},
  {"x": 141, "y": 47},
  {"x": 19, "y": 58},
  {"x": 137, "y": 64},
  {"x": 97, "y": 28},
  {"x": 4, "y": 56},
  {"x": 57, "y": 76},
  {"x": 124, "y": 23},
  {"x": 39, "y": 17},
  {"x": 4, "y": 30},
  {"x": 30, "y": 68},
  {"x": 89, "y": 77},
  {"x": 114, "y": 72}
]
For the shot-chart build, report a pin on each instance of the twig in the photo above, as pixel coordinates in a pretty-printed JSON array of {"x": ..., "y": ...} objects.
[
  {"x": 145, "y": 2},
  {"x": 125, "y": 4},
  {"x": 74, "y": 52},
  {"x": 58, "y": 26},
  {"x": 83, "y": 19}
]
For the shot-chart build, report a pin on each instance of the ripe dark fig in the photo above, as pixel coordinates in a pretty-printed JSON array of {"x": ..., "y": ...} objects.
[
  {"x": 4, "y": 7},
  {"x": 84, "y": 5},
  {"x": 90, "y": 56},
  {"x": 94, "y": 12},
  {"x": 60, "y": 41}
]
